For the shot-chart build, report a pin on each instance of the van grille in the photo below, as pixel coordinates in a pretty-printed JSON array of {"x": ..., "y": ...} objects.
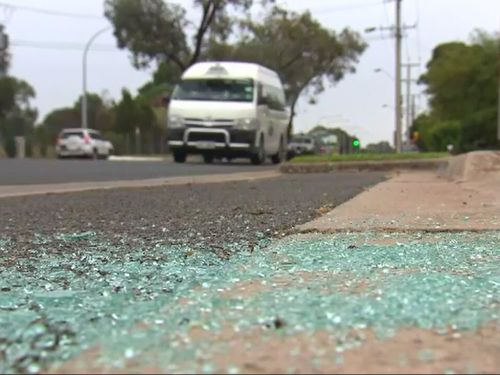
[
  {"x": 198, "y": 122},
  {"x": 208, "y": 137}
]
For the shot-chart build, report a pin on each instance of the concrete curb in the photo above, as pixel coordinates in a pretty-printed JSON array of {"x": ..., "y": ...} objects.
[
  {"x": 461, "y": 196},
  {"x": 373, "y": 165},
  {"x": 473, "y": 166}
]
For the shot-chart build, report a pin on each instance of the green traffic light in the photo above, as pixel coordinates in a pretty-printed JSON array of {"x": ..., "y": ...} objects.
[{"x": 356, "y": 143}]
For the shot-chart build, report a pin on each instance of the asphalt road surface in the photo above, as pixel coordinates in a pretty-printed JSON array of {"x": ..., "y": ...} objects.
[
  {"x": 31, "y": 171},
  {"x": 207, "y": 216}
]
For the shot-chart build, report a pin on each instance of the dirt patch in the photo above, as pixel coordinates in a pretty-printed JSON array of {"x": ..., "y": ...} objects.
[
  {"x": 247, "y": 288},
  {"x": 258, "y": 350},
  {"x": 332, "y": 283},
  {"x": 404, "y": 205},
  {"x": 411, "y": 350}
]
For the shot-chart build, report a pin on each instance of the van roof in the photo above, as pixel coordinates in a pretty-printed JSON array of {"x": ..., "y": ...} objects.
[{"x": 230, "y": 69}]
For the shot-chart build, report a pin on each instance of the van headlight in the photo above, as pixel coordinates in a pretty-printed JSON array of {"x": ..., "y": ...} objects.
[
  {"x": 246, "y": 124},
  {"x": 175, "y": 121}
]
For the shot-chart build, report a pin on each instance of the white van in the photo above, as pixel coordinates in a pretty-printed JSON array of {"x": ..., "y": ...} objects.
[{"x": 228, "y": 109}]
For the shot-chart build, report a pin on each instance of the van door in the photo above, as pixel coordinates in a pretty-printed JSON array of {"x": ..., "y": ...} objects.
[
  {"x": 282, "y": 118},
  {"x": 277, "y": 114},
  {"x": 264, "y": 115},
  {"x": 278, "y": 117}
]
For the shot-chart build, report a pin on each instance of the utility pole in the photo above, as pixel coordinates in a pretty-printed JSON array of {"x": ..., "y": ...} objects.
[
  {"x": 408, "y": 81},
  {"x": 398, "y": 77},
  {"x": 398, "y": 33},
  {"x": 413, "y": 108}
]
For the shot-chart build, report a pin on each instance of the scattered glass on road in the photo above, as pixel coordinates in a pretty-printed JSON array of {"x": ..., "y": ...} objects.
[{"x": 54, "y": 305}]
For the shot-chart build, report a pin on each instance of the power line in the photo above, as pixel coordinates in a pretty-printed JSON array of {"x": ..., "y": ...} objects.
[
  {"x": 62, "y": 46},
  {"x": 345, "y": 8},
  {"x": 49, "y": 12},
  {"x": 419, "y": 56}
]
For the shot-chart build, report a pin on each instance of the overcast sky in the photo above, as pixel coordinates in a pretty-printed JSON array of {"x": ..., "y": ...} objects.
[{"x": 356, "y": 103}]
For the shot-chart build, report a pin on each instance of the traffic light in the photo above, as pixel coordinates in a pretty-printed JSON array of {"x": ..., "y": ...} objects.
[{"x": 356, "y": 143}]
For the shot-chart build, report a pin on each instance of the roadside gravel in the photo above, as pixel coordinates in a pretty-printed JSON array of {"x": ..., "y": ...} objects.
[{"x": 210, "y": 216}]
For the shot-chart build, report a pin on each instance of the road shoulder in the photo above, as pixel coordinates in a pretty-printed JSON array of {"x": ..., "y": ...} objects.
[{"x": 25, "y": 190}]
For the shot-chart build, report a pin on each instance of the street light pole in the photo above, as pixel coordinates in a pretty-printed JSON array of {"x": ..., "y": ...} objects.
[{"x": 84, "y": 76}]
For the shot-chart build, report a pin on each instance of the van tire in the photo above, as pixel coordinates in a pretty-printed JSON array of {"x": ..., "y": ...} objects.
[
  {"x": 259, "y": 156},
  {"x": 179, "y": 156},
  {"x": 280, "y": 156}
]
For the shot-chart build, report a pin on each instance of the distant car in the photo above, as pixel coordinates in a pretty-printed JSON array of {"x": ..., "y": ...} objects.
[
  {"x": 80, "y": 142},
  {"x": 409, "y": 148},
  {"x": 301, "y": 145}
]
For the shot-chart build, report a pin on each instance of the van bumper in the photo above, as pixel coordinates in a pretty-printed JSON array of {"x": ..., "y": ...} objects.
[{"x": 215, "y": 140}]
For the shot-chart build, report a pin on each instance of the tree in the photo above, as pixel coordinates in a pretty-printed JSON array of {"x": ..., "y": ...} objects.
[
  {"x": 17, "y": 117},
  {"x": 307, "y": 57},
  {"x": 99, "y": 112},
  {"x": 146, "y": 121},
  {"x": 4, "y": 52},
  {"x": 461, "y": 81},
  {"x": 100, "y": 117},
  {"x": 15, "y": 95},
  {"x": 436, "y": 135},
  {"x": 16, "y": 114},
  {"x": 154, "y": 30},
  {"x": 59, "y": 119},
  {"x": 126, "y": 114}
]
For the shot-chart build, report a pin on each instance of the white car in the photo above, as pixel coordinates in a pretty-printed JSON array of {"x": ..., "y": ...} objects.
[
  {"x": 228, "y": 110},
  {"x": 301, "y": 145},
  {"x": 80, "y": 142}
]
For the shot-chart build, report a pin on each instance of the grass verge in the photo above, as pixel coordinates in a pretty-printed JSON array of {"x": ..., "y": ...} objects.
[{"x": 368, "y": 156}]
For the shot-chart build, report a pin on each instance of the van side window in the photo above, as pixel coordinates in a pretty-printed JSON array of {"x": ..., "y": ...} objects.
[
  {"x": 261, "y": 95},
  {"x": 275, "y": 99},
  {"x": 281, "y": 98},
  {"x": 271, "y": 96}
]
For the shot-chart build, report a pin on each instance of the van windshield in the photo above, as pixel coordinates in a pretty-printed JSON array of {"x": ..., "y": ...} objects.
[{"x": 223, "y": 90}]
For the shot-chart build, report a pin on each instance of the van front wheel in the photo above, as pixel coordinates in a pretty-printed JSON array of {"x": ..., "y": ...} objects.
[
  {"x": 179, "y": 156},
  {"x": 259, "y": 156},
  {"x": 280, "y": 156}
]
